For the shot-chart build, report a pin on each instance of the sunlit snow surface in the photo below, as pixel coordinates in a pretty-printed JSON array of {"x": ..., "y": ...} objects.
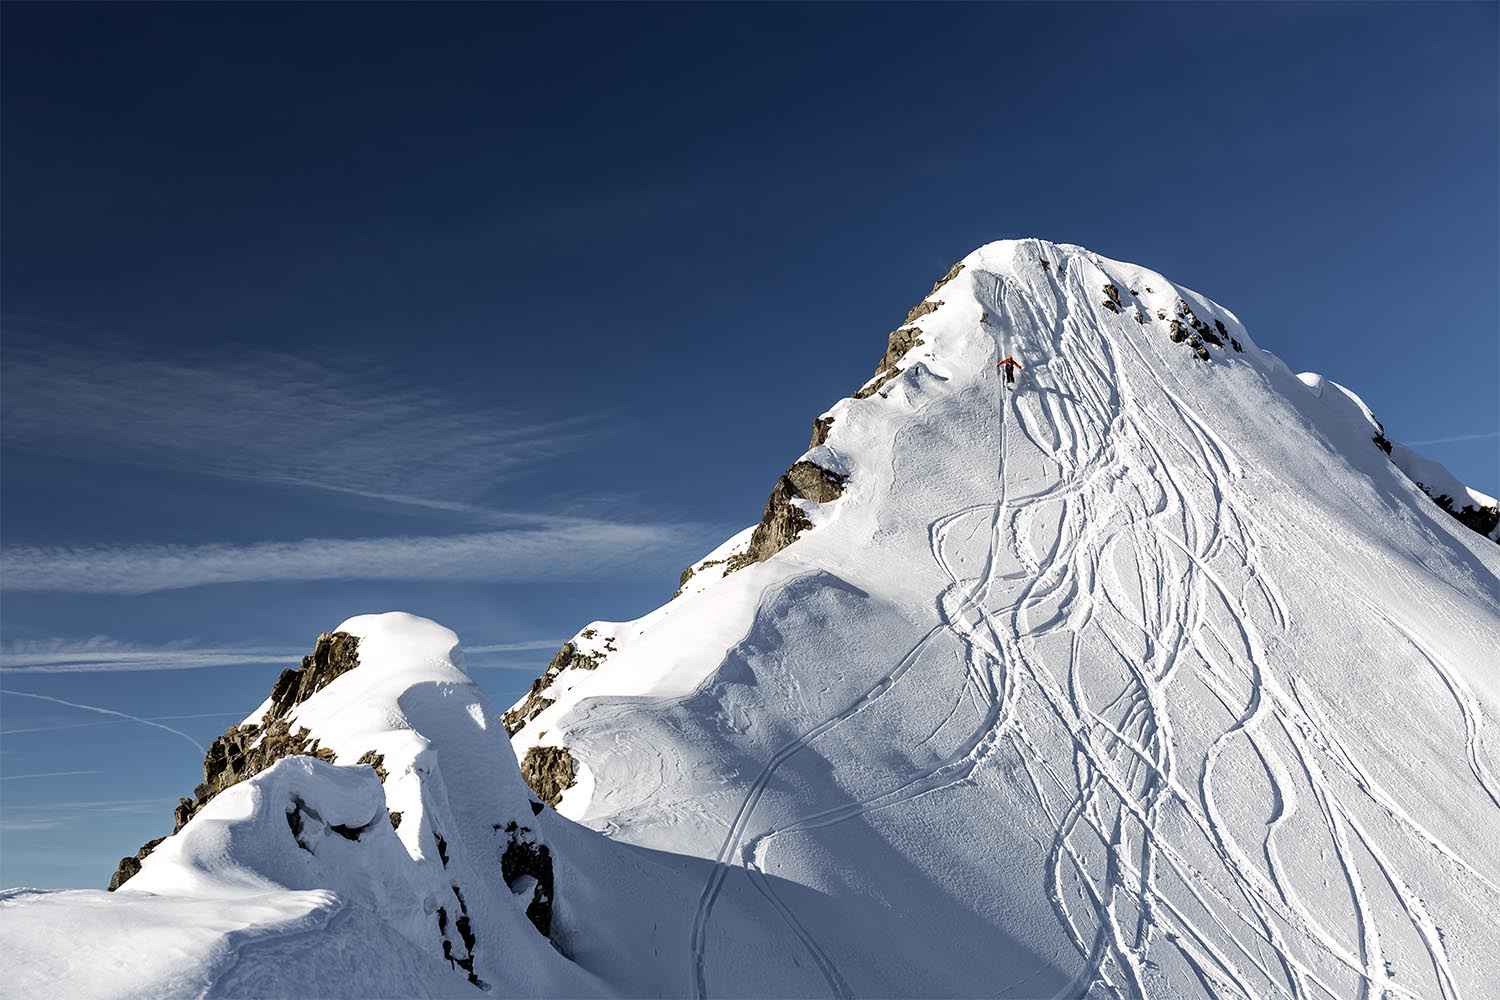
[{"x": 1154, "y": 677}]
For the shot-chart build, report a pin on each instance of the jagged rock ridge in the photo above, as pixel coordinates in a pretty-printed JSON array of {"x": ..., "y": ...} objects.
[{"x": 246, "y": 750}]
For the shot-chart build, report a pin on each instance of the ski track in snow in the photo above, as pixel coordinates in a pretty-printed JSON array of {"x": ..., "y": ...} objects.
[{"x": 1244, "y": 931}]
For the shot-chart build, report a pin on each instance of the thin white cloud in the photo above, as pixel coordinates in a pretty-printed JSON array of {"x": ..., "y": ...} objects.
[
  {"x": 53, "y": 656},
  {"x": 43, "y": 774},
  {"x": 273, "y": 418},
  {"x": 514, "y": 647},
  {"x": 28, "y": 825},
  {"x": 579, "y": 551},
  {"x": 115, "y": 722},
  {"x": 1457, "y": 437},
  {"x": 104, "y": 711}
]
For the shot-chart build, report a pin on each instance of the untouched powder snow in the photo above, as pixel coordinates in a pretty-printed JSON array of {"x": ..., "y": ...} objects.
[{"x": 1152, "y": 677}]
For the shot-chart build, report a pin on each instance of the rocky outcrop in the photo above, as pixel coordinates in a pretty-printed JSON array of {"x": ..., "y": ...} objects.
[
  {"x": 952, "y": 273},
  {"x": 336, "y": 653},
  {"x": 460, "y": 955},
  {"x": 245, "y": 751},
  {"x": 688, "y": 574},
  {"x": 1111, "y": 298},
  {"x": 549, "y": 772},
  {"x": 901, "y": 340},
  {"x": 1481, "y": 519},
  {"x": 376, "y": 762},
  {"x": 526, "y": 866},
  {"x": 782, "y": 521},
  {"x": 821, "y": 427},
  {"x": 129, "y": 866},
  {"x": 568, "y": 657},
  {"x": 1189, "y": 329}
]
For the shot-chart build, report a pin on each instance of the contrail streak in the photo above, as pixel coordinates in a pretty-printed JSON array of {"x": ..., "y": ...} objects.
[
  {"x": 1457, "y": 437},
  {"x": 107, "y": 711}
]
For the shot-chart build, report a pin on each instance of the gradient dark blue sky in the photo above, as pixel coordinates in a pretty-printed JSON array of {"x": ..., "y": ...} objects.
[{"x": 571, "y": 283}]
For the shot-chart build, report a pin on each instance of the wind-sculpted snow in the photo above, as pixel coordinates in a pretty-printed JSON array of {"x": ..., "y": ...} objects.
[{"x": 1154, "y": 676}]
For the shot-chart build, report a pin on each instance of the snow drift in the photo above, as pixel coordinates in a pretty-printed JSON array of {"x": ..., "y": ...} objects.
[{"x": 1156, "y": 676}]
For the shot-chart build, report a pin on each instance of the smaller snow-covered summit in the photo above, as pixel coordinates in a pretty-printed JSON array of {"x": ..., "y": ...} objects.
[{"x": 374, "y": 798}]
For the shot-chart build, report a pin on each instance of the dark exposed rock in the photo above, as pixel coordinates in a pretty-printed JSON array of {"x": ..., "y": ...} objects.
[
  {"x": 919, "y": 310},
  {"x": 376, "y": 762},
  {"x": 812, "y": 482},
  {"x": 1382, "y": 442},
  {"x": 525, "y": 858},
  {"x": 1236, "y": 345},
  {"x": 1161, "y": 314},
  {"x": 549, "y": 772},
  {"x": 129, "y": 866},
  {"x": 1211, "y": 337},
  {"x": 821, "y": 426},
  {"x": 537, "y": 807},
  {"x": 529, "y": 709},
  {"x": 1177, "y": 332},
  {"x": 456, "y": 959},
  {"x": 1113, "y": 295},
  {"x": 465, "y": 934},
  {"x": 336, "y": 653},
  {"x": 300, "y": 814},
  {"x": 442, "y": 848},
  {"x": 952, "y": 273},
  {"x": 566, "y": 658},
  {"x": 1140, "y": 317},
  {"x": 245, "y": 751},
  {"x": 1481, "y": 519},
  {"x": 1110, "y": 306},
  {"x": 900, "y": 342},
  {"x": 876, "y": 384},
  {"x": 395, "y": 819},
  {"x": 1219, "y": 323},
  {"x": 782, "y": 521},
  {"x": 687, "y": 574}
]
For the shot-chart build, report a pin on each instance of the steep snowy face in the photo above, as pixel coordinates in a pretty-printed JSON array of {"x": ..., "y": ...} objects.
[{"x": 1150, "y": 675}]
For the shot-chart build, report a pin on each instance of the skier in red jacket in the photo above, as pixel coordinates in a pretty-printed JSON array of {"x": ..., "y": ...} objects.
[{"x": 1010, "y": 365}]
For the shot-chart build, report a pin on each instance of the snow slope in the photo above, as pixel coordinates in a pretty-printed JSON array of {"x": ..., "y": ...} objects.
[{"x": 1154, "y": 677}]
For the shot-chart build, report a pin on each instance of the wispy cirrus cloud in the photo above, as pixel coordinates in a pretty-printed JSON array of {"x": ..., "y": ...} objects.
[
  {"x": 104, "y": 654},
  {"x": 101, "y": 653},
  {"x": 1456, "y": 438},
  {"x": 572, "y": 551},
  {"x": 11, "y": 693},
  {"x": 354, "y": 428},
  {"x": 530, "y": 645},
  {"x": 32, "y": 817}
]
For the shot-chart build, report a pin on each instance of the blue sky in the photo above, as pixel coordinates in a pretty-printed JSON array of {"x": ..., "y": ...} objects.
[{"x": 504, "y": 314}]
